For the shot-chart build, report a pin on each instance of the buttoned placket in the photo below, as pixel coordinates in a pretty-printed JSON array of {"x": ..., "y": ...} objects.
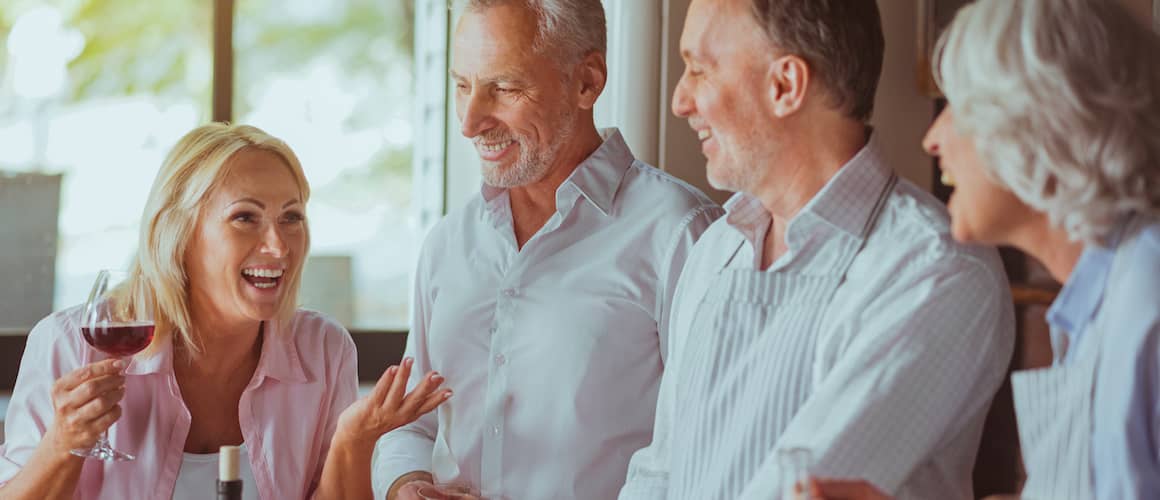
[{"x": 508, "y": 297}]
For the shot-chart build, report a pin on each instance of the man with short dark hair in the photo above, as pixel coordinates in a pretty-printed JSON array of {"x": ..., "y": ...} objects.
[{"x": 829, "y": 320}]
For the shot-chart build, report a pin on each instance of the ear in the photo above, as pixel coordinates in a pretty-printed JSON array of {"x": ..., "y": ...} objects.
[
  {"x": 591, "y": 74},
  {"x": 789, "y": 79}
]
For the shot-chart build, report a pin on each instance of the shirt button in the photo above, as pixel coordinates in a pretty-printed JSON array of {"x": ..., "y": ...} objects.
[
  {"x": 495, "y": 430},
  {"x": 500, "y": 360},
  {"x": 511, "y": 292}
]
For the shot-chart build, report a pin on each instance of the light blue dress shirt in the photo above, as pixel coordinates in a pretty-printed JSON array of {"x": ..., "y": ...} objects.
[{"x": 1125, "y": 302}]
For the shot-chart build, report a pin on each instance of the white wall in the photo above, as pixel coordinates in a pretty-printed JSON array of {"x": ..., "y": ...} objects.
[{"x": 901, "y": 113}]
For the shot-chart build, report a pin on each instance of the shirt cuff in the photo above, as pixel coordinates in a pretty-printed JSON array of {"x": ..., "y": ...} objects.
[{"x": 397, "y": 453}]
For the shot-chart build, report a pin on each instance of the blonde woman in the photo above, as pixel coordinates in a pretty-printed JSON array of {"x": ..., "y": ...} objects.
[
  {"x": 233, "y": 362},
  {"x": 1052, "y": 140}
]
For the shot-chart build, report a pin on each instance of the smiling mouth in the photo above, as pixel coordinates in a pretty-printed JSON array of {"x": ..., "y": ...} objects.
[{"x": 263, "y": 279}]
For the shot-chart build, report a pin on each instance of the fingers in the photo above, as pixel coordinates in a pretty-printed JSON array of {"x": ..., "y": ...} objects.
[
  {"x": 76, "y": 377},
  {"x": 103, "y": 422},
  {"x": 414, "y": 399},
  {"x": 433, "y": 401},
  {"x": 84, "y": 435},
  {"x": 88, "y": 391},
  {"x": 399, "y": 385},
  {"x": 96, "y": 407},
  {"x": 379, "y": 393}
]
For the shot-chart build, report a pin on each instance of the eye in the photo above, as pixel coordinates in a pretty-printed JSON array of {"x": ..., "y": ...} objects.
[
  {"x": 293, "y": 217},
  {"x": 244, "y": 217},
  {"x": 461, "y": 87}
]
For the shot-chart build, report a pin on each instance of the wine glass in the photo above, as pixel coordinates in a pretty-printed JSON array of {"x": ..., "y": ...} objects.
[
  {"x": 795, "y": 465},
  {"x": 113, "y": 324}
]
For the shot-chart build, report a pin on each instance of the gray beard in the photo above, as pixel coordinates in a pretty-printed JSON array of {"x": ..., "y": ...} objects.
[{"x": 534, "y": 162}]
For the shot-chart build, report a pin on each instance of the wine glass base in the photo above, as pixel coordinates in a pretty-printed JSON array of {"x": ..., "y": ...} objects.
[{"x": 106, "y": 454}]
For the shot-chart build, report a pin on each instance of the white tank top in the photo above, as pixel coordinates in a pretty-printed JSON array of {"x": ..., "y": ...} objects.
[{"x": 197, "y": 479}]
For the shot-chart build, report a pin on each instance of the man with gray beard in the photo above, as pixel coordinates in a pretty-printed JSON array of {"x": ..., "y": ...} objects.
[{"x": 544, "y": 302}]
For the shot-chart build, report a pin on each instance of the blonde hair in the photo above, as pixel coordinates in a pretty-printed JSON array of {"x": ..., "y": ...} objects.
[
  {"x": 194, "y": 168},
  {"x": 1063, "y": 100}
]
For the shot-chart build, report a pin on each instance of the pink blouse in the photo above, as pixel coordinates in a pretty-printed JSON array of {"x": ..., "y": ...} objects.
[{"x": 306, "y": 376}]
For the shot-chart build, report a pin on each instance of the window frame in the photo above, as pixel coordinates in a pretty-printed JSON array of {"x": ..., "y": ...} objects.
[{"x": 377, "y": 348}]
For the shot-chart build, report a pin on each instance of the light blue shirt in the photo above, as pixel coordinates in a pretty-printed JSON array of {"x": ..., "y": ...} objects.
[{"x": 1126, "y": 415}]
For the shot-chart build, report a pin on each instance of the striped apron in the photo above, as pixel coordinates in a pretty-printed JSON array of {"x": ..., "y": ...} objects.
[
  {"x": 1053, "y": 407},
  {"x": 747, "y": 368}
]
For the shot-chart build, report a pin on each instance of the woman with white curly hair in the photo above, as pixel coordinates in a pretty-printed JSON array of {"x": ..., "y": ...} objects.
[{"x": 1051, "y": 138}]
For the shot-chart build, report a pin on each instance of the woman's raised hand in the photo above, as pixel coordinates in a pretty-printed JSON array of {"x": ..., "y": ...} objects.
[
  {"x": 389, "y": 406},
  {"x": 85, "y": 404}
]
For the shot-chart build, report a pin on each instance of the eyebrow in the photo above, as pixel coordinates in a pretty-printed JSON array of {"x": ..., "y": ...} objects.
[
  {"x": 260, "y": 204},
  {"x": 506, "y": 77}
]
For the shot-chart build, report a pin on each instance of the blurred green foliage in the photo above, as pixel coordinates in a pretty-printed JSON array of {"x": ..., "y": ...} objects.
[{"x": 164, "y": 48}]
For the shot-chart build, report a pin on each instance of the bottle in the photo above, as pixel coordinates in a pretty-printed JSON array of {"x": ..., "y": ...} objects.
[{"x": 229, "y": 483}]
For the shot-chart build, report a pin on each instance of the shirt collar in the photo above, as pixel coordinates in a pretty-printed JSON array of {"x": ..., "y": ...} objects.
[
  {"x": 279, "y": 358},
  {"x": 597, "y": 178},
  {"x": 1079, "y": 300},
  {"x": 846, "y": 202}
]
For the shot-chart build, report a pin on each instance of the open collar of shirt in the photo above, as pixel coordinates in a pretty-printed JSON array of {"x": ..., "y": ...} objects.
[
  {"x": 279, "y": 359},
  {"x": 597, "y": 179},
  {"x": 844, "y": 205},
  {"x": 1079, "y": 300}
]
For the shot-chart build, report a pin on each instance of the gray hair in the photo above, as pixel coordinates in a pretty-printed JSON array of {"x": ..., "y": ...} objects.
[
  {"x": 571, "y": 29},
  {"x": 1063, "y": 100}
]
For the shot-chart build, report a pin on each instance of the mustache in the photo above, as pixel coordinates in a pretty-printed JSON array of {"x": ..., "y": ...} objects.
[{"x": 494, "y": 136}]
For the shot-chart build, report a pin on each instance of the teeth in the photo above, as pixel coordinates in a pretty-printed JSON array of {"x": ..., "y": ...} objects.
[
  {"x": 946, "y": 179},
  {"x": 263, "y": 273},
  {"x": 704, "y": 134},
  {"x": 495, "y": 148},
  {"x": 265, "y": 285}
]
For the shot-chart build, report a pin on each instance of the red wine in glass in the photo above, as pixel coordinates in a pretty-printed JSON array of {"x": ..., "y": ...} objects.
[
  {"x": 119, "y": 341},
  {"x": 120, "y": 324}
]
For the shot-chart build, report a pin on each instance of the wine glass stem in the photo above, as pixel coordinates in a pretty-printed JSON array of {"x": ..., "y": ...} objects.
[{"x": 103, "y": 442}]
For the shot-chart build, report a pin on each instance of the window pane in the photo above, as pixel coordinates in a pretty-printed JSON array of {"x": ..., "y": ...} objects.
[
  {"x": 334, "y": 80},
  {"x": 95, "y": 90}
]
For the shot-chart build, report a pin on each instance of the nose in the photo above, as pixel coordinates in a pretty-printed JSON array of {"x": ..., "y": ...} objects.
[
  {"x": 930, "y": 142},
  {"x": 682, "y": 102},
  {"x": 273, "y": 242},
  {"x": 475, "y": 113}
]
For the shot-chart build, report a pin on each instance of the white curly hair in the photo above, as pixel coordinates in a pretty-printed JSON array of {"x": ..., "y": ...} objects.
[{"x": 1063, "y": 100}]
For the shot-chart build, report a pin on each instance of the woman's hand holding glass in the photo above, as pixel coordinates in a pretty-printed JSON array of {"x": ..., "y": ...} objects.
[
  {"x": 389, "y": 406},
  {"x": 85, "y": 404}
]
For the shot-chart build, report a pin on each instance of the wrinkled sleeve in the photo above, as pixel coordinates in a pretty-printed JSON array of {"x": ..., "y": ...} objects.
[
  {"x": 926, "y": 358},
  {"x": 409, "y": 448},
  {"x": 343, "y": 392},
  {"x": 648, "y": 470},
  {"x": 53, "y": 349}
]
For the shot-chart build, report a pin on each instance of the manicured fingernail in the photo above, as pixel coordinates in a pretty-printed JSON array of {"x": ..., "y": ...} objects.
[
  {"x": 118, "y": 364},
  {"x": 393, "y": 369},
  {"x": 409, "y": 361},
  {"x": 435, "y": 377},
  {"x": 447, "y": 395}
]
